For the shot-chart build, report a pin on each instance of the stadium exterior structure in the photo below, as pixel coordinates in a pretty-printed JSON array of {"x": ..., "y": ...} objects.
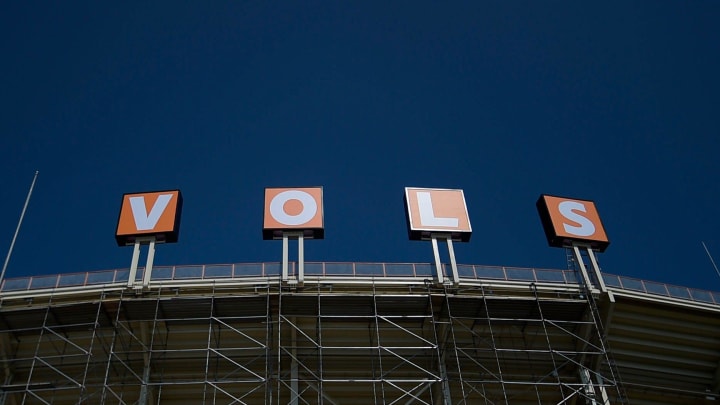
[{"x": 355, "y": 333}]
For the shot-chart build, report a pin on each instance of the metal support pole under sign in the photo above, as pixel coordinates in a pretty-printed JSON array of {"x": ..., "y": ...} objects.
[
  {"x": 596, "y": 270},
  {"x": 151, "y": 240},
  {"x": 149, "y": 263},
  {"x": 453, "y": 262},
  {"x": 286, "y": 236},
  {"x": 451, "y": 253},
  {"x": 581, "y": 264},
  {"x": 438, "y": 264}
]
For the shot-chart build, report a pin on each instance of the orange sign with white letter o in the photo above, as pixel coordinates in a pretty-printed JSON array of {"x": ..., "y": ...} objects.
[{"x": 293, "y": 209}]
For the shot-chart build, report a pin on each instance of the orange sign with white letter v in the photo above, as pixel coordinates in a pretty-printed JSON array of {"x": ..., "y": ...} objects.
[{"x": 152, "y": 213}]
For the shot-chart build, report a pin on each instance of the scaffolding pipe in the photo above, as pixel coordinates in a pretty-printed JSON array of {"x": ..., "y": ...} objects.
[{"x": 426, "y": 344}]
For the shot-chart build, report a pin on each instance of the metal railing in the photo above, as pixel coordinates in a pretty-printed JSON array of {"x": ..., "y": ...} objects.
[
  {"x": 239, "y": 271},
  {"x": 662, "y": 289}
]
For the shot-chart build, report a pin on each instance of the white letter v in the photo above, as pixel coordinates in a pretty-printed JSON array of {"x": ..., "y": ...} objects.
[{"x": 143, "y": 220}]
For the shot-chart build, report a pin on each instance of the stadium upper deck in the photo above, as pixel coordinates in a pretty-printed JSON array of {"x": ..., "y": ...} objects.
[{"x": 663, "y": 341}]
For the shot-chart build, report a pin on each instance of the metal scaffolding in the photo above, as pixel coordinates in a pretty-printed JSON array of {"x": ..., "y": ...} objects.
[{"x": 327, "y": 342}]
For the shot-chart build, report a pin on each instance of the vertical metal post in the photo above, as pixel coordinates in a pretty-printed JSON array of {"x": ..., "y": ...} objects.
[
  {"x": 380, "y": 348},
  {"x": 269, "y": 346},
  {"x": 438, "y": 265},
  {"x": 7, "y": 371},
  {"x": 208, "y": 351},
  {"x": 494, "y": 346},
  {"x": 588, "y": 388},
  {"x": 280, "y": 348},
  {"x": 320, "y": 389},
  {"x": 603, "y": 392},
  {"x": 440, "y": 334},
  {"x": 596, "y": 269},
  {"x": 146, "y": 388},
  {"x": 445, "y": 383},
  {"x": 294, "y": 386},
  {"x": 36, "y": 357},
  {"x": 301, "y": 258},
  {"x": 453, "y": 262},
  {"x": 111, "y": 350},
  {"x": 134, "y": 264},
  {"x": 90, "y": 352},
  {"x": 143, "y": 400},
  {"x": 149, "y": 263},
  {"x": 581, "y": 263},
  {"x": 286, "y": 236},
  {"x": 285, "y": 257},
  {"x": 451, "y": 326}
]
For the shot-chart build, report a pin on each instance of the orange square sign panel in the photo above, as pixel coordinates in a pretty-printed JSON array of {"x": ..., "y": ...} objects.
[
  {"x": 569, "y": 220},
  {"x": 154, "y": 213},
  {"x": 297, "y": 209},
  {"x": 436, "y": 210}
]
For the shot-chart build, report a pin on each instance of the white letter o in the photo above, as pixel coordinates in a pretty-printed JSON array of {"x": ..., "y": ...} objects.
[{"x": 308, "y": 212}]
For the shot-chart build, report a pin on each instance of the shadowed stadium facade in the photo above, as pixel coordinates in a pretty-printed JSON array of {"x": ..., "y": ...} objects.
[{"x": 356, "y": 333}]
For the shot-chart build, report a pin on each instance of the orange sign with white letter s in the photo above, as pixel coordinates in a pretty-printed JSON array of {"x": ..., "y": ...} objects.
[{"x": 568, "y": 220}]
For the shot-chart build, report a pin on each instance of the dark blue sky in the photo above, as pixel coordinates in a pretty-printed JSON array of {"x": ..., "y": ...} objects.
[{"x": 614, "y": 102}]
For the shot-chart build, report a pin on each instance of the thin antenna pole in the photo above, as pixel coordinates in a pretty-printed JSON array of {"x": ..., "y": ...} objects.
[
  {"x": 711, "y": 259},
  {"x": 17, "y": 230}
]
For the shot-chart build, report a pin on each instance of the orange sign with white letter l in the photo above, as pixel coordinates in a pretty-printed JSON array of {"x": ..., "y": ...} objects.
[{"x": 434, "y": 210}]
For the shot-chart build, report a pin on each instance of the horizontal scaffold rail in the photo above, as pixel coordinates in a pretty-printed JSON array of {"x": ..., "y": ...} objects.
[{"x": 341, "y": 273}]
